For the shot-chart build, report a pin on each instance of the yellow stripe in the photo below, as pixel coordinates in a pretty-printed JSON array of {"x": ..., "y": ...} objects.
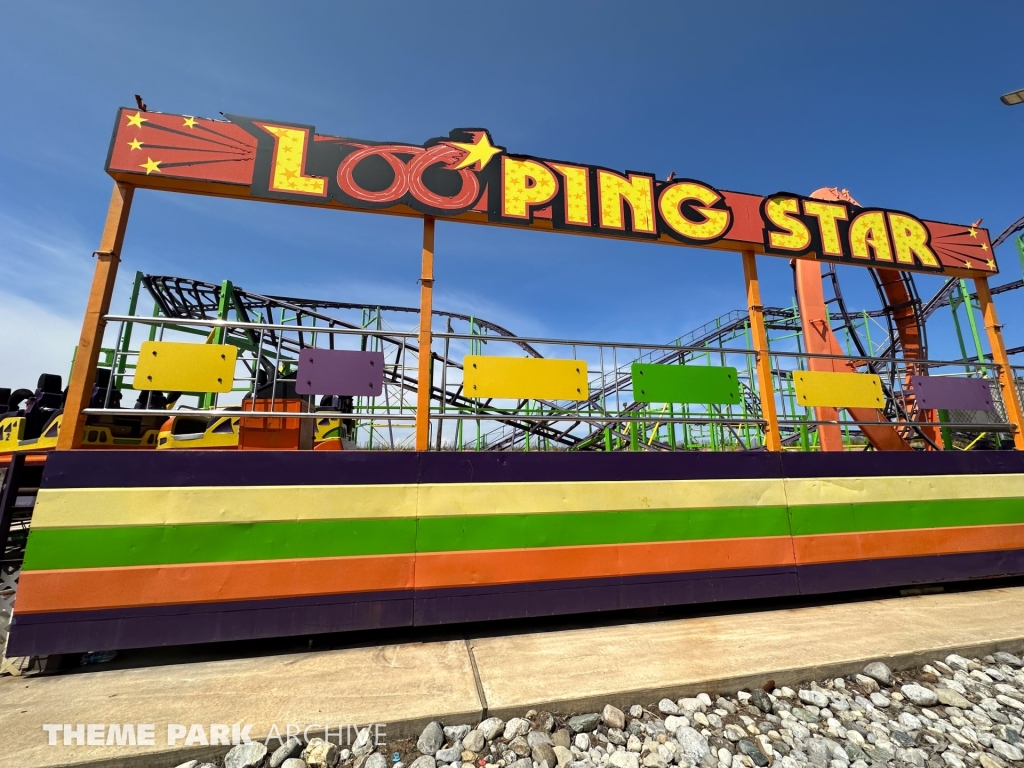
[
  {"x": 867, "y": 490},
  {"x": 539, "y": 498},
  {"x": 88, "y": 507}
]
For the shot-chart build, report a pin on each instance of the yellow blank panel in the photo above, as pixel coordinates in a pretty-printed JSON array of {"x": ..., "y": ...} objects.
[
  {"x": 838, "y": 390},
  {"x": 525, "y": 378},
  {"x": 173, "y": 366}
]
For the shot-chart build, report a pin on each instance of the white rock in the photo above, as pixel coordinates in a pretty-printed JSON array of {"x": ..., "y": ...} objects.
[
  {"x": 816, "y": 698},
  {"x": 867, "y": 683},
  {"x": 1012, "y": 703},
  {"x": 668, "y": 707},
  {"x": 1009, "y": 751},
  {"x": 693, "y": 744},
  {"x": 517, "y": 726},
  {"x": 474, "y": 741},
  {"x": 689, "y": 706},
  {"x": 879, "y": 672},
  {"x": 672, "y": 722},
  {"x": 624, "y": 760},
  {"x": 613, "y": 717},
  {"x": 957, "y": 662},
  {"x": 921, "y": 696},
  {"x": 563, "y": 756},
  {"x": 491, "y": 727},
  {"x": 582, "y": 742}
]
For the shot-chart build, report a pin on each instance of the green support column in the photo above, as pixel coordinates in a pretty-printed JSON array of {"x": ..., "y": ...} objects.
[
  {"x": 965, "y": 296},
  {"x": 127, "y": 336},
  {"x": 947, "y": 436},
  {"x": 209, "y": 400}
]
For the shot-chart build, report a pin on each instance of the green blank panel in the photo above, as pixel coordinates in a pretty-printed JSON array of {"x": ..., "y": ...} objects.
[{"x": 708, "y": 385}]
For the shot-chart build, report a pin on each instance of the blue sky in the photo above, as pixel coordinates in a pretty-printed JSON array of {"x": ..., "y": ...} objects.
[{"x": 898, "y": 102}]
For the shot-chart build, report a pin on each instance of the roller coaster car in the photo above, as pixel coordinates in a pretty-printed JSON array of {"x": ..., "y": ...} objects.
[
  {"x": 34, "y": 427},
  {"x": 194, "y": 430},
  {"x": 334, "y": 434},
  {"x": 110, "y": 431}
]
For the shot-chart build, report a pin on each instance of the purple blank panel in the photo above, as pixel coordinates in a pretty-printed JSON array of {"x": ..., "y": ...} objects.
[
  {"x": 945, "y": 393},
  {"x": 340, "y": 372}
]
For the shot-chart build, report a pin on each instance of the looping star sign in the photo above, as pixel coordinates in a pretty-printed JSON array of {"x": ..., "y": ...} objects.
[{"x": 467, "y": 176}]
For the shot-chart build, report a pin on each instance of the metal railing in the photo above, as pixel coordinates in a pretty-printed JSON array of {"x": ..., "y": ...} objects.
[{"x": 609, "y": 418}]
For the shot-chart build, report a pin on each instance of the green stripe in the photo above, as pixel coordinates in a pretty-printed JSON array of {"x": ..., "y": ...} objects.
[
  {"x": 891, "y": 516},
  {"x": 442, "y": 534},
  {"x": 54, "y": 548}
]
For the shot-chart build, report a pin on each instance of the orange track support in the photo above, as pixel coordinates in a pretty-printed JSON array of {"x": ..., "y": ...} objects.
[{"x": 819, "y": 340}]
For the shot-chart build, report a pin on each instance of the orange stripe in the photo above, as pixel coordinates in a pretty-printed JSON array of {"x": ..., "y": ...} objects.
[
  {"x": 843, "y": 547},
  {"x": 94, "y": 588},
  {"x": 510, "y": 566}
]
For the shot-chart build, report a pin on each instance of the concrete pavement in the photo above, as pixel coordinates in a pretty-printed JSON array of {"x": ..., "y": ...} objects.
[{"x": 405, "y": 686}]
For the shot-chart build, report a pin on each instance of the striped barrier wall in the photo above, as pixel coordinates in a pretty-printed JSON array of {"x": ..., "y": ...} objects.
[{"x": 132, "y": 549}]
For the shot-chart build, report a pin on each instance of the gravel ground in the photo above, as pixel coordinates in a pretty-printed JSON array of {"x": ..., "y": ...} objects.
[{"x": 948, "y": 714}]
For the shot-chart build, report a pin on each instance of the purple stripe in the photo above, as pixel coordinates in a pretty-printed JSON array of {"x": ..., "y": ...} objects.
[
  {"x": 906, "y": 571},
  {"x": 450, "y": 467},
  {"x": 146, "y": 469},
  {"x": 40, "y": 634},
  {"x": 889, "y": 463},
  {"x": 591, "y": 595},
  {"x": 140, "y": 469}
]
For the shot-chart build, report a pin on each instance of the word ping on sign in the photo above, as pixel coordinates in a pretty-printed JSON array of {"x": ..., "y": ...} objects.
[{"x": 466, "y": 176}]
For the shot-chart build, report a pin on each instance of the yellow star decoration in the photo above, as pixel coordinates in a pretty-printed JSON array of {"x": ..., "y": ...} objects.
[
  {"x": 972, "y": 232},
  {"x": 190, "y": 122},
  {"x": 135, "y": 144},
  {"x": 984, "y": 246},
  {"x": 481, "y": 151},
  {"x": 151, "y": 165},
  {"x": 991, "y": 264},
  {"x": 967, "y": 265},
  {"x": 137, "y": 120}
]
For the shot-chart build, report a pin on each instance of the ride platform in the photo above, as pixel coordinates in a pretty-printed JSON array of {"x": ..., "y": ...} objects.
[{"x": 132, "y": 549}]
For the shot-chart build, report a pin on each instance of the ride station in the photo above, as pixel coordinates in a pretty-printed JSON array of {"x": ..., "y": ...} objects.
[{"x": 237, "y": 465}]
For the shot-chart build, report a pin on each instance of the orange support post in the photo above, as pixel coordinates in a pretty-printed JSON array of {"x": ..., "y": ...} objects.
[
  {"x": 91, "y": 339},
  {"x": 1007, "y": 383},
  {"x": 772, "y": 436},
  {"x": 424, "y": 383}
]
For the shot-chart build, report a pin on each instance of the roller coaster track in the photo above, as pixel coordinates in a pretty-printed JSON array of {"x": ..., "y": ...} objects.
[{"x": 184, "y": 298}]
